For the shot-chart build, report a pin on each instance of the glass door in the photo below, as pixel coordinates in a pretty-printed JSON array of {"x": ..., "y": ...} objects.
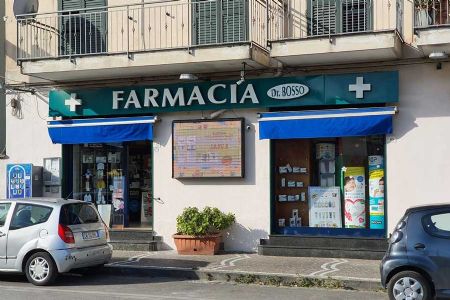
[
  {"x": 140, "y": 185},
  {"x": 98, "y": 177}
]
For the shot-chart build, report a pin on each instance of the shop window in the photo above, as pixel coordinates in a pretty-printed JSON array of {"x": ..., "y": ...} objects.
[
  {"x": 117, "y": 178},
  {"x": 98, "y": 173},
  {"x": 335, "y": 183}
]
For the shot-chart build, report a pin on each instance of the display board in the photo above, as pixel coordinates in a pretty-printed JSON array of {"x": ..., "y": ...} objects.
[
  {"x": 208, "y": 148},
  {"x": 325, "y": 207}
]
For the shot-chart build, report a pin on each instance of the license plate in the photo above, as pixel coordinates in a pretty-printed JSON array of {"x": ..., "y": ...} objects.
[{"x": 90, "y": 235}]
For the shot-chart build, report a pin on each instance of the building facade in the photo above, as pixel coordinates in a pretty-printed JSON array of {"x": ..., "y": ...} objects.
[{"x": 304, "y": 118}]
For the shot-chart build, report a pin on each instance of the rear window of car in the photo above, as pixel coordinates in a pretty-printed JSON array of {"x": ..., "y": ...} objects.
[
  {"x": 438, "y": 224},
  {"x": 78, "y": 213}
]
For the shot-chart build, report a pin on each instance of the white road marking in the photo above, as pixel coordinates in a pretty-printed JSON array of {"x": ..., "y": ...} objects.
[
  {"x": 333, "y": 267},
  {"x": 329, "y": 267},
  {"x": 133, "y": 259},
  {"x": 229, "y": 262},
  {"x": 323, "y": 267},
  {"x": 238, "y": 259}
]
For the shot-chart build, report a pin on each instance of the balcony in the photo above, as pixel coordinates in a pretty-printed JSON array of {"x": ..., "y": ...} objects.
[
  {"x": 145, "y": 39},
  {"x": 432, "y": 25},
  {"x": 320, "y": 32}
]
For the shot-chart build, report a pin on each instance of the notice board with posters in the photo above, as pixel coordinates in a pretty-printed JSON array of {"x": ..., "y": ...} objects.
[{"x": 208, "y": 148}]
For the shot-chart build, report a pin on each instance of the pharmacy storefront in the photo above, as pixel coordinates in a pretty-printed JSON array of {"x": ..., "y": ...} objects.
[{"x": 294, "y": 155}]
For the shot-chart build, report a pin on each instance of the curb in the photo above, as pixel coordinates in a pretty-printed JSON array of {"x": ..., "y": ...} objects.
[{"x": 242, "y": 277}]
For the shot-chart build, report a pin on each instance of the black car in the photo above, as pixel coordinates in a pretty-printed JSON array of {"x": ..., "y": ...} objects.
[{"x": 417, "y": 262}]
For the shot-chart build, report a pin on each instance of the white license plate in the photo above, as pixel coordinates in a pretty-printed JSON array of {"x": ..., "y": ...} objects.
[{"x": 90, "y": 235}]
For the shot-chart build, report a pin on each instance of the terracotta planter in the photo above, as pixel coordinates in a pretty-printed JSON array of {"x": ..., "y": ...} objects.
[{"x": 197, "y": 245}]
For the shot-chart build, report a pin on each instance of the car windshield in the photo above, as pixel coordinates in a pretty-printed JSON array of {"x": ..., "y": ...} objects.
[{"x": 78, "y": 213}]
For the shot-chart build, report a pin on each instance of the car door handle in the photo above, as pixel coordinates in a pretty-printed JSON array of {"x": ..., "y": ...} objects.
[
  {"x": 419, "y": 246},
  {"x": 2, "y": 234}
]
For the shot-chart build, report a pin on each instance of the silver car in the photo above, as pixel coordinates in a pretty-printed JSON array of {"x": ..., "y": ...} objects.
[{"x": 45, "y": 237}]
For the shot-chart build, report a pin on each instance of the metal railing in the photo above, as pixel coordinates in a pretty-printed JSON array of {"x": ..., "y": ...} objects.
[
  {"x": 141, "y": 27},
  {"x": 429, "y": 13},
  {"x": 293, "y": 19}
]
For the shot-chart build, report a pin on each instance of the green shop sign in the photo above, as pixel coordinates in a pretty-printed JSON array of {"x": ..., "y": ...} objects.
[{"x": 343, "y": 89}]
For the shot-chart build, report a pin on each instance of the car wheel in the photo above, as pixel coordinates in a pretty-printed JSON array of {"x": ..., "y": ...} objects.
[
  {"x": 409, "y": 285},
  {"x": 40, "y": 269}
]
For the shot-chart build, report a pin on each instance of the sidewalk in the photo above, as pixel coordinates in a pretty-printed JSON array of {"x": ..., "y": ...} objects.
[{"x": 248, "y": 268}]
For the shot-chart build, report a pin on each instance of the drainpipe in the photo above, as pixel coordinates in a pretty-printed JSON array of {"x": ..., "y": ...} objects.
[{"x": 2, "y": 74}]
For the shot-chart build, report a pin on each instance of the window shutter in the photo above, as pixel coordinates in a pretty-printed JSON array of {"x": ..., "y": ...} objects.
[
  {"x": 205, "y": 22},
  {"x": 93, "y": 37},
  {"x": 83, "y": 33},
  {"x": 356, "y": 15},
  {"x": 234, "y": 21},
  {"x": 71, "y": 4},
  {"x": 323, "y": 17}
]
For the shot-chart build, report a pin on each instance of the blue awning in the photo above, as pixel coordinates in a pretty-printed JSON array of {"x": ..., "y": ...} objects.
[
  {"x": 108, "y": 130},
  {"x": 326, "y": 123}
]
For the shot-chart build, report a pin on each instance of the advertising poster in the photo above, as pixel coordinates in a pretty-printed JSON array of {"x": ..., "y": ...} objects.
[
  {"x": 355, "y": 197},
  {"x": 325, "y": 207},
  {"x": 203, "y": 149},
  {"x": 147, "y": 207},
  {"x": 376, "y": 191},
  {"x": 19, "y": 181}
]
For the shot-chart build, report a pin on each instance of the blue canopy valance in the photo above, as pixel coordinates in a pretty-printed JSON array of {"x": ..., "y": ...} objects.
[
  {"x": 107, "y": 130},
  {"x": 326, "y": 123}
]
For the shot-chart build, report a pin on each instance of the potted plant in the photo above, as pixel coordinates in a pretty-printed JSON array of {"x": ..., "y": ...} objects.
[{"x": 199, "y": 232}]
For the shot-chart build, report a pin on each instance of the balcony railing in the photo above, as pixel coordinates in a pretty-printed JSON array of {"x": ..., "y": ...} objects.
[
  {"x": 141, "y": 27},
  {"x": 293, "y": 19},
  {"x": 429, "y": 13}
]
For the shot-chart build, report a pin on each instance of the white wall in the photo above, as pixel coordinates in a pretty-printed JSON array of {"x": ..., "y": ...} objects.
[
  {"x": 27, "y": 139},
  {"x": 418, "y": 152},
  {"x": 247, "y": 198}
]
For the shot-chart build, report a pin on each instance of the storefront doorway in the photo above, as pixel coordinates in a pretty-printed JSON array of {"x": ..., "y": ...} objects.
[{"x": 117, "y": 178}]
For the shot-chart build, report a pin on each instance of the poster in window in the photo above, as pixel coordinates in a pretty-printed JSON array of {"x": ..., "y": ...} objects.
[
  {"x": 325, "y": 207},
  {"x": 208, "y": 148},
  {"x": 355, "y": 197},
  {"x": 376, "y": 191}
]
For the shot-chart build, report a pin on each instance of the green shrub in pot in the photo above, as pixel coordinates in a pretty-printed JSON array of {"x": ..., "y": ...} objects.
[{"x": 201, "y": 223}]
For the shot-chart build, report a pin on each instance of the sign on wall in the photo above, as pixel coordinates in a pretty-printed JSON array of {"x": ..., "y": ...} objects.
[
  {"x": 19, "y": 183},
  {"x": 318, "y": 90},
  {"x": 208, "y": 148}
]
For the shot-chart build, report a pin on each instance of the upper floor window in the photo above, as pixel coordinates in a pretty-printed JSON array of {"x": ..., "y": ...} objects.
[
  {"x": 219, "y": 21},
  {"x": 431, "y": 12},
  {"x": 339, "y": 16},
  {"x": 83, "y": 26}
]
